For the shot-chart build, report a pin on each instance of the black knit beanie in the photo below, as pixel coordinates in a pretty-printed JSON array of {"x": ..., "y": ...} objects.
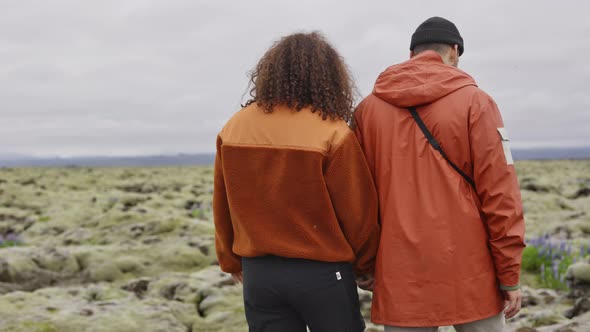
[{"x": 437, "y": 30}]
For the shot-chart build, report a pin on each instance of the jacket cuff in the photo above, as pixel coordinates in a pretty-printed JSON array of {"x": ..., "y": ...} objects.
[
  {"x": 509, "y": 288},
  {"x": 231, "y": 266}
]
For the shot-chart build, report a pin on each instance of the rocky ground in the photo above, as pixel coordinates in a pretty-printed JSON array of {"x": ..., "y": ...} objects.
[{"x": 131, "y": 249}]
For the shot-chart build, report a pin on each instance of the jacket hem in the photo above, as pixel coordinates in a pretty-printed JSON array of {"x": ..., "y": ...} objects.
[{"x": 433, "y": 323}]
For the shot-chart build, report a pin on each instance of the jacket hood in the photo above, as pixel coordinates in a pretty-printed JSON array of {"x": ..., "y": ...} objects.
[{"x": 421, "y": 80}]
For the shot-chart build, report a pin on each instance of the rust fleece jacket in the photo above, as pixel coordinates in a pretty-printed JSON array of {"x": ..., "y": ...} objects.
[{"x": 290, "y": 184}]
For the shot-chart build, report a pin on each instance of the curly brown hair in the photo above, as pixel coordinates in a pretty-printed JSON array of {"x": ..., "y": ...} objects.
[{"x": 303, "y": 70}]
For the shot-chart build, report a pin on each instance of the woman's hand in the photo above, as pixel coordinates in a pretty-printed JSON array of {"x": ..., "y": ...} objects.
[
  {"x": 238, "y": 277},
  {"x": 366, "y": 282}
]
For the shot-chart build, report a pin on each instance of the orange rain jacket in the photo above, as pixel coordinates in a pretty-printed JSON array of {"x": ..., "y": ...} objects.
[{"x": 446, "y": 250}]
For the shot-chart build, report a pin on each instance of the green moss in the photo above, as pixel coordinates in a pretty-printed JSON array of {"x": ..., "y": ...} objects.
[
  {"x": 44, "y": 218},
  {"x": 128, "y": 264},
  {"x": 198, "y": 213},
  {"x": 167, "y": 225},
  {"x": 530, "y": 279},
  {"x": 179, "y": 258},
  {"x": 133, "y": 199},
  {"x": 106, "y": 271},
  {"x": 56, "y": 260},
  {"x": 169, "y": 196},
  {"x": 546, "y": 320},
  {"x": 39, "y": 327},
  {"x": 102, "y": 292}
]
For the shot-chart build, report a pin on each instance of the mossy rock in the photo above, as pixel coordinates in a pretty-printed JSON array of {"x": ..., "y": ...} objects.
[
  {"x": 213, "y": 303},
  {"x": 103, "y": 292},
  {"x": 31, "y": 326},
  {"x": 16, "y": 267},
  {"x": 57, "y": 260},
  {"x": 542, "y": 185},
  {"x": 223, "y": 321},
  {"x": 580, "y": 272},
  {"x": 13, "y": 214},
  {"x": 585, "y": 227},
  {"x": 178, "y": 287},
  {"x": 106, "y": 271},
  {"x": 179, "y": 257},
  {"x": 183, "y": 312},
  {"x": 113, "y": 322},
  {"x": 90, "y": 255},
  {"x": 128, "y": 264},
  {"x": 546, "y": 319},
  {"x": 44, "y": 327},
  {"x": 166, "y": 226},
  {"x": 125, "y": 316},
  {"x": 165, "y": 316},
  {"x": 130, "y": 200},
  {"x": 215, "y": 300}
]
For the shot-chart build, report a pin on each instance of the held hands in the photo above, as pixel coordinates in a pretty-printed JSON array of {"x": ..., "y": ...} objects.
[
  {"x": 513, "y": 301},
  {"x": 366, "y": 282}
]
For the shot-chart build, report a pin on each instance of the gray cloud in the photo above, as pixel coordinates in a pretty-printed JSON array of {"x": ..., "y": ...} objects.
[{"x": 133, "y": 77}]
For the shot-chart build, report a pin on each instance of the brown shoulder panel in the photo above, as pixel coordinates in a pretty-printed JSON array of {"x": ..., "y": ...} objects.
[{"x": 284, "y": 127}]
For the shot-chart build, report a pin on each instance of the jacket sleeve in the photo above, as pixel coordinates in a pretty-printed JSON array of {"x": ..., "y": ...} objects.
[
  {"x": 354, "y": 199},
  {"x": 498, "y": 191},
  {"x": 365, "y": 143},
  {"x": 224, "y": 234}
]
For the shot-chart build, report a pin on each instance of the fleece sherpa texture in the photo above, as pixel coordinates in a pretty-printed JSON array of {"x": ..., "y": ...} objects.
[{"x": 291, "y": 184}]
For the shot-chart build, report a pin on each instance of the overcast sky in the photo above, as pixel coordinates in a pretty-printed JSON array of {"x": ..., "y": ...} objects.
[{"x": 137, "y": 77}]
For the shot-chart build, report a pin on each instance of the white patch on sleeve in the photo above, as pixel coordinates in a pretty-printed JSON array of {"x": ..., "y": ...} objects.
[{"x": 506, "y": 145}]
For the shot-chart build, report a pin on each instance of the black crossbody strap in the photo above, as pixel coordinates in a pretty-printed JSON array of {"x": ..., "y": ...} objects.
[{"x": 436, "y": 145}]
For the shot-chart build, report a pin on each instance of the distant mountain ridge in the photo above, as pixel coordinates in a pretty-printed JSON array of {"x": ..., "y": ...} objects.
[
  {"x": 209, "y": 158},
  {"x": 136, "y": 161},
  {"x": 552, "y": 153}
]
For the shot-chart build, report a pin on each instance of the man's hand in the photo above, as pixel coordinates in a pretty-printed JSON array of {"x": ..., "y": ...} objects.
[
  {"x": 238, "y": 277},
  {"x": 366, "y": 282},
  {"x": 513, "y": 302}
]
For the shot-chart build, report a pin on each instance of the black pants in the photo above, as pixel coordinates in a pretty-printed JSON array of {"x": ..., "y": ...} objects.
[{"x": 286, "y": 295}]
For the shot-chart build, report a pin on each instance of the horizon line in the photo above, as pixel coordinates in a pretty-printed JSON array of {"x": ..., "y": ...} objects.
[{"x": 16, "y": 156}]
